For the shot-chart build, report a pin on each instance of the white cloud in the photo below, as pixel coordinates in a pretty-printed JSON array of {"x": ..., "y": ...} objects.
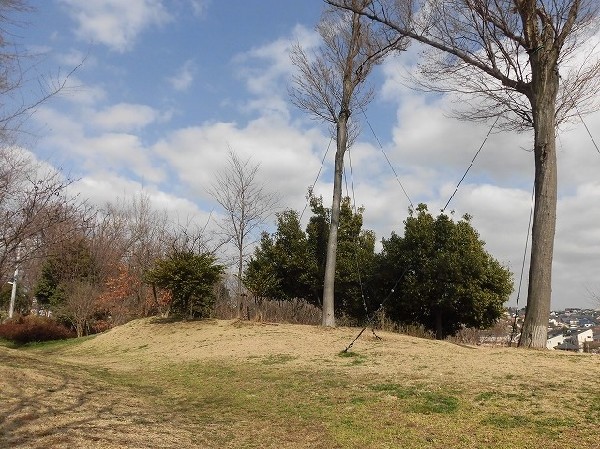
[
  {"x": 125, "y": 117},
  {"x": 184, "y": 78},
  {"x": 106, "y": 187},
  {"x": 267, "y": 70},
  {"x": 118, "y": 152},
  {"x": 289, "y": 159},
  {"x": 74, "y": 58},
  {"x": 77, "y": 92},
  {"x": 113, "y": 152},
  {"x": 115, "y": 23}
]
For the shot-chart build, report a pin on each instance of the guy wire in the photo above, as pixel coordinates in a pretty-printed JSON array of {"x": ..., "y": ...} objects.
[{"x": 472, "y": 161}]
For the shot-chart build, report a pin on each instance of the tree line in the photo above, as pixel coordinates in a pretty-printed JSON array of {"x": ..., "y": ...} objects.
[
  {"x": 514, "y": 57},
  {"x": 525, "y": 64},
  {"x": 93, "y": 268},
  {"x": 436, "y": 273}
]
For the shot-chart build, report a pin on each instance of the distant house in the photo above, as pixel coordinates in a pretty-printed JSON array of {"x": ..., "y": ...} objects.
[
  {"x": 587, "y": 321},
  {"x": 555, "y": 338},
  {"x": 576, "y": 340},
  {"x": 581, "y": 336},
  {"x": 554, "y": 322}
]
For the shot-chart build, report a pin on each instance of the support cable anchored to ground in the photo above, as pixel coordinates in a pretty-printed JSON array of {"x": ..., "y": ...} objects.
[
  {"x": 514, "y": 326},
  {"x": 374, "y": 314},
  {"x": 472, "y": 162},
  {"x": 317, "y": 178},
  {"x": 370, "y": 318},
  {"x": 387, "y": 159},
  {"x": 356, "y": 241}
]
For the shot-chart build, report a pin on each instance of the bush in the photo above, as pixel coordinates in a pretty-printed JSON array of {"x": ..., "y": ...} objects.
[{"x": 32, "y": 328}]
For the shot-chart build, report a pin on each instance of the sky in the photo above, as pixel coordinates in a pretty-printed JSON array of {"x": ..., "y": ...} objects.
[{"x": 164, "y": 88}]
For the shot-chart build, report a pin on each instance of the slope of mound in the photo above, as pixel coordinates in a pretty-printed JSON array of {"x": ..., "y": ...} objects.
[
  {"x": 228, "y": 384},
  {"x": 384, "y": 354}
]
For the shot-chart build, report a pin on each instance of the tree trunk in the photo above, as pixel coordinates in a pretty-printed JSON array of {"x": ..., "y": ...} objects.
[
  {"x": 240, "y": 302},
  {"x": 439, "y": 329},
  {"x": 329, "y": 281},
  {"x": 543, "y": 97}
]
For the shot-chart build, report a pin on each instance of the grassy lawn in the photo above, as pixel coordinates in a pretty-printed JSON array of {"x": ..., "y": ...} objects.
[{"x": 214, "y": 385}]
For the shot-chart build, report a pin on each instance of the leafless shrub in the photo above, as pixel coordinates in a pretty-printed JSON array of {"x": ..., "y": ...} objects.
[{"x": 295, "y": 311}]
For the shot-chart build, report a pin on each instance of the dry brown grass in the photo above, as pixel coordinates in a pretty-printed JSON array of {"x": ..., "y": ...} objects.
[{"x": 153, "y": 383}]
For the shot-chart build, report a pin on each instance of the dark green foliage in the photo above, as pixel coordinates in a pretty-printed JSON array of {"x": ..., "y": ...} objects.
[
  {"x": 191, "y": 279},
  {"x": 317, "y": 232},
  {"x": 261, "y": 277},
  {"x": 355, "y": 255},
  {"x": 48, "y": 290},
  {"x": 33, "y": 328},
  {"x": 75, "y": 263},
  {"x": 296, "y": 266},
  {"x": 446, "y": 278},
  {"x": 355, "y": 258},
  {"x": 291, "y": 263},
  {"x": 282, "y": 267}
]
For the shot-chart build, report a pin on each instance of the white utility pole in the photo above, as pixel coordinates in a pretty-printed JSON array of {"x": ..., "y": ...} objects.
[{"x": 13, "y": 294}]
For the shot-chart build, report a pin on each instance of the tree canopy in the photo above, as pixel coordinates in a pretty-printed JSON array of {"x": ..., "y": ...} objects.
[
  {"x": 441, "y": 275},
  {"x": 291, "y": 263},
  {"x": 190, "y": 278}
]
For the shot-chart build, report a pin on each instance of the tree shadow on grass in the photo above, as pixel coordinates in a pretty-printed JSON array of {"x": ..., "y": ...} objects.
[{"x": 46, "y": 404}]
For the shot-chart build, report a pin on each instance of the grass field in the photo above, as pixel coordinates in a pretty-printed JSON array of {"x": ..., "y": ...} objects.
[{"x": 224, "y": 384}]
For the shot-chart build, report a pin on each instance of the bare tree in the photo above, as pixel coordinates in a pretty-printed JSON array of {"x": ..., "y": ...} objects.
[
  {"x": 81, "y": 302},
  {"x": 36, "y": 210},
  {"x": 127, "y": 238},
  {"x": 32, "y": 200},
  {"x": 246, "y": 204},
  {"x": 508, "y": 54},
  {"x": 330, "y": 86}
]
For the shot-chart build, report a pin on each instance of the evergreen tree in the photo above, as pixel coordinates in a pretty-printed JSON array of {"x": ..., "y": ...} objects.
[
  {"x": 261, "y": 277},
  {"x": 446, "y": 278},
  {"x": 74, "y": 263},
  {"x": 356, "y": 253},
  {"x": 191, "y": 279},
  {"x": 291, "y": 263},
  {"x": 282, "y": 267}
]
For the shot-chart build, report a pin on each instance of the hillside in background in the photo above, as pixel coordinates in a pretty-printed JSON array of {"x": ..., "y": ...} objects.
[{"x": 215, "y": 384}]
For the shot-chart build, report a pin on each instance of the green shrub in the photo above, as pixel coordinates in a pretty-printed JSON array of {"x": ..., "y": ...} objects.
[{"x": 30, "y": 328}]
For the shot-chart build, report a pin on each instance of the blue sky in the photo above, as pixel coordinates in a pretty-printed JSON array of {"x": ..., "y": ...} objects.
[{"x": 167, "y": 86}]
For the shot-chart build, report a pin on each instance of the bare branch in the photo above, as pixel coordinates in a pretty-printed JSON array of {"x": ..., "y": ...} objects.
[
  {"x": 479, "y": 43},
  {"x": 247, "y": 205}
]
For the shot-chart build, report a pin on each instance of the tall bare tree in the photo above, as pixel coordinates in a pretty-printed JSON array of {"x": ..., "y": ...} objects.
[
  {"x": 247, "y": 204},
  {"x": 32, "y": 199},
  {"x": 36, "y": 210},
  {"x": 526, "y": 61},
  {"x": 330, "y": 86}
]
